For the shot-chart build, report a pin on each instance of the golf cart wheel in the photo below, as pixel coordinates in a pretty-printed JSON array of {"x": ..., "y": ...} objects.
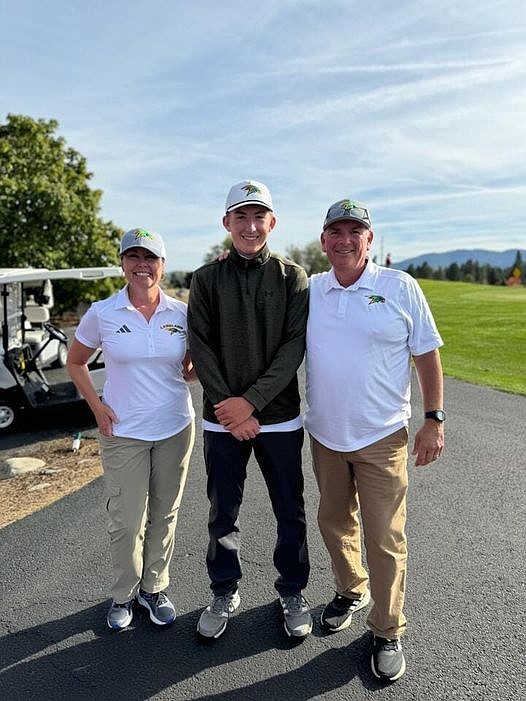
[
  {"x": 62, "y": 356},
  {"x": 8, "y": 417}
]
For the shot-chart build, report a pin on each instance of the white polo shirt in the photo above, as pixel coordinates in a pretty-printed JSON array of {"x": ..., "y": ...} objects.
[
  {"x": 360, "y": 340},
  {"x": 144, "y": 381}
]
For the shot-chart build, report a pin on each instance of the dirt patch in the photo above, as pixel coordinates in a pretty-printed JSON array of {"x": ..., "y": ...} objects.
[{"x": 64, "y": 473}]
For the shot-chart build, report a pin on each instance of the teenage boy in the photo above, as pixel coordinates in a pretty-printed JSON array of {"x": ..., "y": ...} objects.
[{"x": 247, "y": 320}]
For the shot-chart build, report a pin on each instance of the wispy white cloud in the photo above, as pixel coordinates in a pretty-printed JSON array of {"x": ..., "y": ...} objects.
[
  {"x": 417, "y": 108},
  {"x": 389, "y": 97}
]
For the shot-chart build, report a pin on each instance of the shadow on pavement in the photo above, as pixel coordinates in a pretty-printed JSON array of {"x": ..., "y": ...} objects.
[
  {"x": 48, "y": 424},
  {"x": 78, "y": 657}
]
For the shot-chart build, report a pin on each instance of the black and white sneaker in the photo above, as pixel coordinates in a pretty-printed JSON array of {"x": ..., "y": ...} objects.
[
  {"x": 337, "y": 615},
  {"x": 160, "y": 608},
  {"x": 387, "y": 660}
]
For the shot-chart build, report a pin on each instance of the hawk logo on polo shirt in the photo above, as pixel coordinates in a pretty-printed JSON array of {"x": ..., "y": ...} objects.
[
  {"x": 173, "y": 328},
  {"x": 375, "y": 299},
  {"x": 251, "y": 189}
]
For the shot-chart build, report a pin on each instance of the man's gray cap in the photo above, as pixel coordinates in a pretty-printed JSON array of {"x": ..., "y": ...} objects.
[{"x": 345, "y": 210}]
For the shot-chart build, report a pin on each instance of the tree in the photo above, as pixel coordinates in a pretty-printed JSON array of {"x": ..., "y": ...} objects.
[
  {"x": 494, "y": 275},
  {"x": 218, "y": 249},
  {"x": 310, "y": 257},
  {"x": 516, "y": 270},
  {"x": 49, "y": 214},
  {"x": 424, "y": 271},
  {"x": 177, "y": 278},
  {"x": 453, "y": 272}
]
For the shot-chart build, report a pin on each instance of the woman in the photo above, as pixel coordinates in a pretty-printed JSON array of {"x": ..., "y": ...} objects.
[{"x": 145, "y": 421}]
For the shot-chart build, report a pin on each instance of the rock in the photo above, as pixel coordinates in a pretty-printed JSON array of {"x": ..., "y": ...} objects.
[
  {"x": 39, "y": 487},
  {"x": 19, "y": 466}
]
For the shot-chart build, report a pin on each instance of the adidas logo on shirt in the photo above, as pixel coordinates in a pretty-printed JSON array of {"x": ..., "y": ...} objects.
[{"x": 123, "y": 329}]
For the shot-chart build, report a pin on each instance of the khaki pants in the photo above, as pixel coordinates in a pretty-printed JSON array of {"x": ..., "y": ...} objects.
[
  {"x": 372, "y": 482},
  {"x": 144, "y": 485}
]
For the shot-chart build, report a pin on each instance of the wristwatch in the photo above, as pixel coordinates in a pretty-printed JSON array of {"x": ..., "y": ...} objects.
[{"x": 438, "y": 415}]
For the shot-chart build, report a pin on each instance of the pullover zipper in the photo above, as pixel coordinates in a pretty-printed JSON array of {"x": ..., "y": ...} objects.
[{"x": 247, "y": 289}]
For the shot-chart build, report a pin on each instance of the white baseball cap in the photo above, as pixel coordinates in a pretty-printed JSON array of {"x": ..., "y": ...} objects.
[
  {"x": 248, "y": 192},
  {"x": 143, "y": 238}
]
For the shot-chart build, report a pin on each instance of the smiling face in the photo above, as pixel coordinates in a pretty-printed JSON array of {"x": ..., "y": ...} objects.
[
  {"x": 142, "y": 269},
  {"x": 347, "y": 245},
  {"x": 249, "y": 226}
]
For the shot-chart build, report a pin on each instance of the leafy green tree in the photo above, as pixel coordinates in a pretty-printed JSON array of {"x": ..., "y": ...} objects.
[
  {"x": 453, "y": 272},
  {"x": 310, "y": 257},
  {"x": 49, "y": 214},
  {"x": 176, "y": 278},
  {"x": 218, "y": 249},
  {"x": 495, "y": 275},
  {"x": 424, "y": 271},
  {"x": 517, "y": 268}
]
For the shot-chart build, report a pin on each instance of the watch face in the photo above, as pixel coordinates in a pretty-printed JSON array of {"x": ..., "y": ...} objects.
[{"x": 437, "y": 415}]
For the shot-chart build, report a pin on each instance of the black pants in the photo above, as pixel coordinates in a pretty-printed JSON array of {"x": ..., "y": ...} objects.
[{"x": 279, "y": 458}]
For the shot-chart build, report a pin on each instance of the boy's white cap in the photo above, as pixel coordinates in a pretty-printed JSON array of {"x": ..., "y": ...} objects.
[
  {"x": 248, "y": 192},
  {"x": 143, "y": 238}
]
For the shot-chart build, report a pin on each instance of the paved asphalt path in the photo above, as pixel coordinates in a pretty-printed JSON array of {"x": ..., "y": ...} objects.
[{"x": 465, "y": 604}]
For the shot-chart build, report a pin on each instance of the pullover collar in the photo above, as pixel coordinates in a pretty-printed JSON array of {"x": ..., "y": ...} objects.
[{"x": 256, "y": 262}]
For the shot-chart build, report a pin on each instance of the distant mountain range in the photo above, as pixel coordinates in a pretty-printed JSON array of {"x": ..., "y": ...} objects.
[{"x": 498, "y": 259}]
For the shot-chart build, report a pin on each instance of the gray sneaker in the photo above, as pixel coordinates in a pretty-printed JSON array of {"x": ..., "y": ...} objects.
[
  {"x": 160, "y": 608},
  {"x": 214, "y": 619},
  {"x": 387, "y": 659},
  {"x": 296, "y": 612},
  {"x": 119, "y": 615}
]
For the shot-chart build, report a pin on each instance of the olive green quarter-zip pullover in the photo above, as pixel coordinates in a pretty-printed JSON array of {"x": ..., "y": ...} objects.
[{"x": 246, "y": 322}]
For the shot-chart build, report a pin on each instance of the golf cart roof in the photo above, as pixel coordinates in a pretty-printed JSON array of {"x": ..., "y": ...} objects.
[{"x": 8, "y": 275}]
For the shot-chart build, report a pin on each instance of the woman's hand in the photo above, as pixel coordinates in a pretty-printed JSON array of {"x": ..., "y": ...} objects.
[{"x": 106, "y": 417}]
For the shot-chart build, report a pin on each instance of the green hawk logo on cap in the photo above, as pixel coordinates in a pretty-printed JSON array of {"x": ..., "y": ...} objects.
[
  {"x": 142, "y": 234},
  {"x": 251, "y": 189},
  {"x": 347, "y": 205}
]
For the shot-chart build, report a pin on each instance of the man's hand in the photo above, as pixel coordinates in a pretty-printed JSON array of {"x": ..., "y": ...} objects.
[
  {"x": 429, "y": 442},
  {"x": 246, "y": 430},
  {"x": 233, "y": 411}
]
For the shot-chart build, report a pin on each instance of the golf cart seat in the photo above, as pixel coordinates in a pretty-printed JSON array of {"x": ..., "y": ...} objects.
[{"x": 36, "y": 315}]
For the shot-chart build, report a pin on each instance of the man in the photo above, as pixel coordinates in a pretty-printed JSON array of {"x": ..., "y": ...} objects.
[
  {"x": 365, "y": 324},
  {"x": 247, "y": 319}
]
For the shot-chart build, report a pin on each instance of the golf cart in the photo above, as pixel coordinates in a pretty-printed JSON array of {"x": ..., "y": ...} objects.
[
  {"x": 48, "y": 344},
  {"x": 27, "y": 336}
]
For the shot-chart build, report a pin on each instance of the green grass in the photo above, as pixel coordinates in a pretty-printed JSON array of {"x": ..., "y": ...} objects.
[{"x": 484, "y": 332}]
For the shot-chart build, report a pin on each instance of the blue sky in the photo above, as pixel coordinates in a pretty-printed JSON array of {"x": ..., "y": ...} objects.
[{"x": 416, "y": 108}]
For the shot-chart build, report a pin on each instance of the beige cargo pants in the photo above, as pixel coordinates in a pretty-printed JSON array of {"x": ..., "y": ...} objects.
[
  {"x": 144, "y": 483},
  {"x": 371, "y": 483}
]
